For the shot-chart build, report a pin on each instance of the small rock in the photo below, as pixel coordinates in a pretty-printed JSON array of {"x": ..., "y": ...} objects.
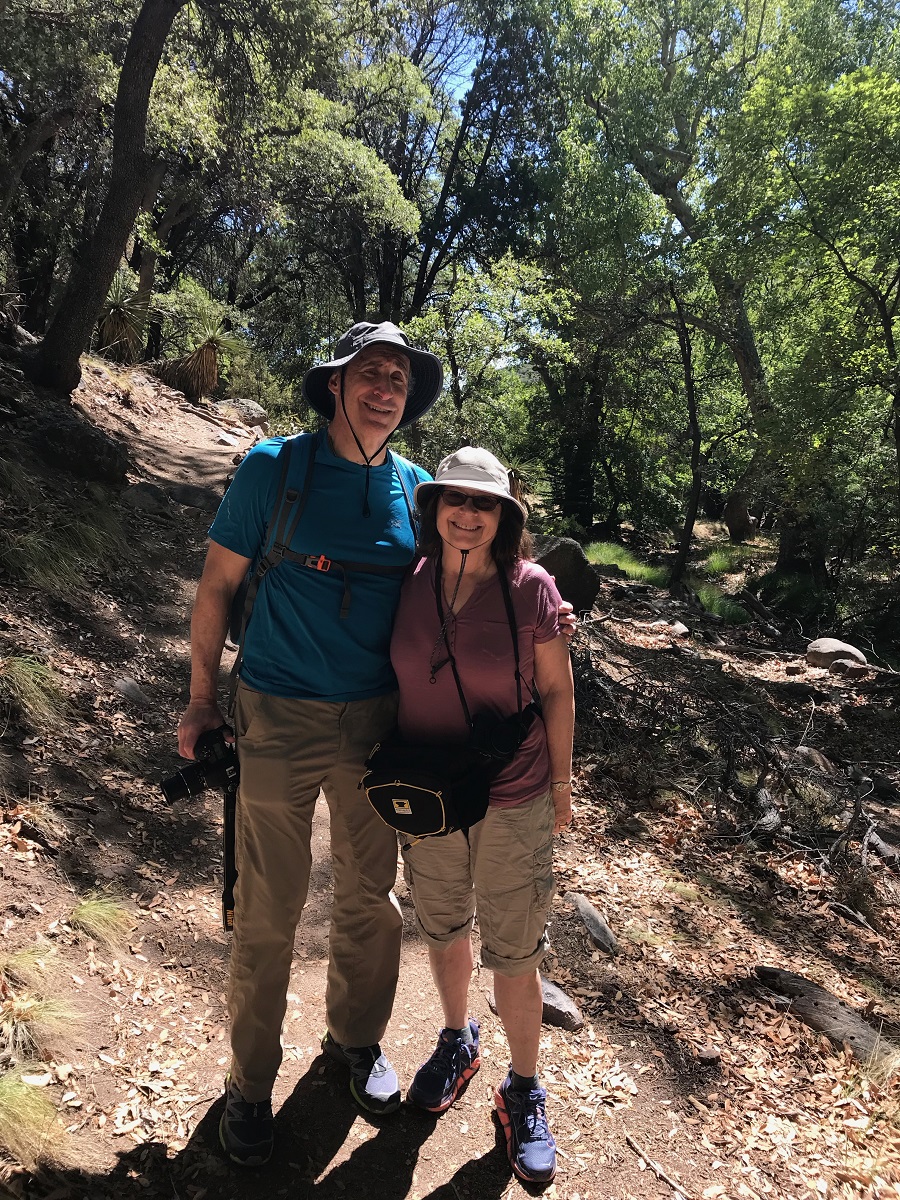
[
  {"x": 226, "y": 439},
  {"x": 824, "y": 651},
  {"x": 600, "y": 933},
  {"x": 131, "y": 690},
  {"x": 679, "y": 629},
  {"x": 709, "y": 1054},
  {"x": 559, "y": 1009},
  {"x": 794, "y": 669},
  {"x": 610, "y": 570}
]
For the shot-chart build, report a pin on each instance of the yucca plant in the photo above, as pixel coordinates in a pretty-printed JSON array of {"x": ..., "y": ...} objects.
[
  {"x": 197, "y": 373},
  {"x": 121, "y": 321}
]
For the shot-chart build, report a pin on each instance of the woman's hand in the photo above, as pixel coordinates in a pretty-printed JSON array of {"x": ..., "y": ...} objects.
[
  {"x": 568, "y": 622},
  {"x": 562, "y": 805}
]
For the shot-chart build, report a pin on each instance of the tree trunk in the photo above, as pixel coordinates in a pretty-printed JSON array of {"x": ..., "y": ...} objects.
[
  {"x": 56, "y": 363},
  {"x": 24, "y": 147},
  {"x": 690, "y": 516}
]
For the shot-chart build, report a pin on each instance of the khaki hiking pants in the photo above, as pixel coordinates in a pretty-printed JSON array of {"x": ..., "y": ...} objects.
[{"x": 289, "y": 749}]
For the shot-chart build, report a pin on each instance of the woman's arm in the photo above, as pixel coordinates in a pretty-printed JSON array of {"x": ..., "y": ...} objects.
[{"x": 553, "y": 676}]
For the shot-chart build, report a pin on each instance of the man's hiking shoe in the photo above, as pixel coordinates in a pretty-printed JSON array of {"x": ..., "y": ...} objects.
[
  {"x": 246, "y": 1131},
  {"x": 373, "y": 1081},
  {"x": 439, "y": 1081},
  {"x": 529, "y": 1142}
]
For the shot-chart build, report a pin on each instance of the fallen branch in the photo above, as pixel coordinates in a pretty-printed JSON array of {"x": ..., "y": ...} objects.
[
  {"x": 826, "y": 1014},
  {"x": 656, "y": 1168}
]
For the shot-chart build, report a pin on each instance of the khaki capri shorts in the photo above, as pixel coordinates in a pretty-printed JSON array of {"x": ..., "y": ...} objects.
[{"x": 503, "y": 871}]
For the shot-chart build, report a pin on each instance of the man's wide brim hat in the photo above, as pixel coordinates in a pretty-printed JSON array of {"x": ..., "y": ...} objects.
[
  {"x": 428, "y": 375},
  {"x": 471, "y": 467}
]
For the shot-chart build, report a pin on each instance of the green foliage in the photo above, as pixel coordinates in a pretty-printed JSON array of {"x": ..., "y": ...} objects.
[
  {"x": 621, "y": 556},
  {"x": 714, "y": 600}
]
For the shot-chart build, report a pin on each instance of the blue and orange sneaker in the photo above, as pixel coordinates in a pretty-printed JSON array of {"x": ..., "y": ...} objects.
[
  {"x": 529, "y": 1142},
  {"x": 439, "y": 1081}
]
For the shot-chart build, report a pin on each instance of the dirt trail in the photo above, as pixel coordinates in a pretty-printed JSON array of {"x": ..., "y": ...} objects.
[{"x": 678, "y": 1059}]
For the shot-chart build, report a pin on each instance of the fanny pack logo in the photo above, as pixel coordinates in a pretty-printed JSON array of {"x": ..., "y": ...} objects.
[{"x": 402, "y": 807}]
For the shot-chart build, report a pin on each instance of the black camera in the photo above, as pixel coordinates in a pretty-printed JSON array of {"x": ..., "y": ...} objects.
[
  {"x": 499, "y": 737},
  {"x": 216, "y": 767}
]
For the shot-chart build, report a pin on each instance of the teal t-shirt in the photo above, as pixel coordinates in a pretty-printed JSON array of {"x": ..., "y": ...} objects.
[{"x": 297, "y": 644}]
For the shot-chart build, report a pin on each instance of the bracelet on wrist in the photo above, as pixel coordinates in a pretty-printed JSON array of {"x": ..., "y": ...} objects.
[
  {"x": 559, "y": 785},
  {"x": 204, "y": 700}
]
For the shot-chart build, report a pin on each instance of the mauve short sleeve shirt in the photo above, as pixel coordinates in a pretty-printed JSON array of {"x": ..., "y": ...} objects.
[{"x": 482, "y": 645}]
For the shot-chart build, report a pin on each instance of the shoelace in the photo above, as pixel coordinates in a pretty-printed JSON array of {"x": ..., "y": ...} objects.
[
  {"x": 448, "y": 1049},
  {"x": 530, "y": 1108}
]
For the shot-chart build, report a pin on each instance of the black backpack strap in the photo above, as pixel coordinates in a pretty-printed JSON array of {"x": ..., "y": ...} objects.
[{"x": 289, "y": 505}]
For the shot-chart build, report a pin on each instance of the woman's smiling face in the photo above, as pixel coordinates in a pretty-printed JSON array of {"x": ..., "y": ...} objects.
[{"x": 464, "y": 526}]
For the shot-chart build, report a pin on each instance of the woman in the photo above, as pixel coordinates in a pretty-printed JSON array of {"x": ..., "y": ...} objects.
[{"x": 452, "y": 611}]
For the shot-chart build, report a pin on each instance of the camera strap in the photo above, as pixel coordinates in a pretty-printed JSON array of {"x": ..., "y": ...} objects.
[{"x": 514, "y": 633}]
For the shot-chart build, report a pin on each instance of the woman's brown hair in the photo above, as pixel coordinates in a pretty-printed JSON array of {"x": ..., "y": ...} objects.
[{"x": 511, "y": 543}]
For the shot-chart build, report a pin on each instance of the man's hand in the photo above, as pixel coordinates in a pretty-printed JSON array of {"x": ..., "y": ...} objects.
[
  {"x": 562, "y": 806},
  {"x": 568, "y": 622},
  {"x": 199, "y": 716}
]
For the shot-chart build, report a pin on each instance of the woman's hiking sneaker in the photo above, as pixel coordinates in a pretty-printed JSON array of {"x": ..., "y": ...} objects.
[
  {"x": 373, "y": 1081},
  {"x": 246, "y": 1130},
  {"x": 439, "y": 1081},
  {"x": 529, "y": 1142}
]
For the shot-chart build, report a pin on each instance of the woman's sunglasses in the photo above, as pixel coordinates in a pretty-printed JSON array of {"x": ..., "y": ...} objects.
[{"x": 482, "y": 503}]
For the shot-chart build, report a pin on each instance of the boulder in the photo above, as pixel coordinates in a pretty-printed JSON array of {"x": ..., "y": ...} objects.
[
  {"x": 193, "y": 495},
  {"x": 559, "y": 1009},
  {"x": 131, "y": 690},
  {"x": 564, "y": 559},
  {"x": 824, "y": 651},
  {"x": 83, "y": 450},
  {"x": 848, "y": 666},
  {"x": 148, "y": 498},
  {"x": 247, "y": 411}
]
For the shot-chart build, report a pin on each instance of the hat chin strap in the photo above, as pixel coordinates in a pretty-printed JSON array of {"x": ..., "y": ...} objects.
[{"x": 367, "y": 458}]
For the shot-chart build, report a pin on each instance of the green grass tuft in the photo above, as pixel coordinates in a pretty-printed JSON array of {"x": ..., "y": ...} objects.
[
  {"x": 30, "y": 1025},
  {"x": 33, "y": 687},
  {"x": 29, "y": 1131},
  {"x": 716, "y": 601},
  {"x": 612, "y": 552},
  {"x": 102, "y": 918},
  {"x": 28, "y": 966}
]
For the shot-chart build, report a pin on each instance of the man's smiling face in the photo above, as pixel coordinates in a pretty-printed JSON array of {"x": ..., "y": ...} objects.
[{"x": 375, "y": 387}]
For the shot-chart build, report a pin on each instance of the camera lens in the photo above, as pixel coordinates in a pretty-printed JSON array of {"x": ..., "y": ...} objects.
[{"x": 188, "y": 782}]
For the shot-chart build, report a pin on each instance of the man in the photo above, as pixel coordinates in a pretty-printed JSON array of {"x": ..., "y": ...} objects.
[{"x": 316, "y": 693}]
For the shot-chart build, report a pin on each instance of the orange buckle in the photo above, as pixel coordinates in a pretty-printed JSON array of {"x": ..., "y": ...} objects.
[{"x": 320, "y": 564}]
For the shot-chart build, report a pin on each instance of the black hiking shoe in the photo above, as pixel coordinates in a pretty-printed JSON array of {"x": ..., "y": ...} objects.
[{"x": 246, "y": 1131}]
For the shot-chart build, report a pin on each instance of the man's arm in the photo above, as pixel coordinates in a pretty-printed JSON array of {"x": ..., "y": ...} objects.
[
  {"x": 223, "y": 572},
  {"x": 553, "y": 676}
]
